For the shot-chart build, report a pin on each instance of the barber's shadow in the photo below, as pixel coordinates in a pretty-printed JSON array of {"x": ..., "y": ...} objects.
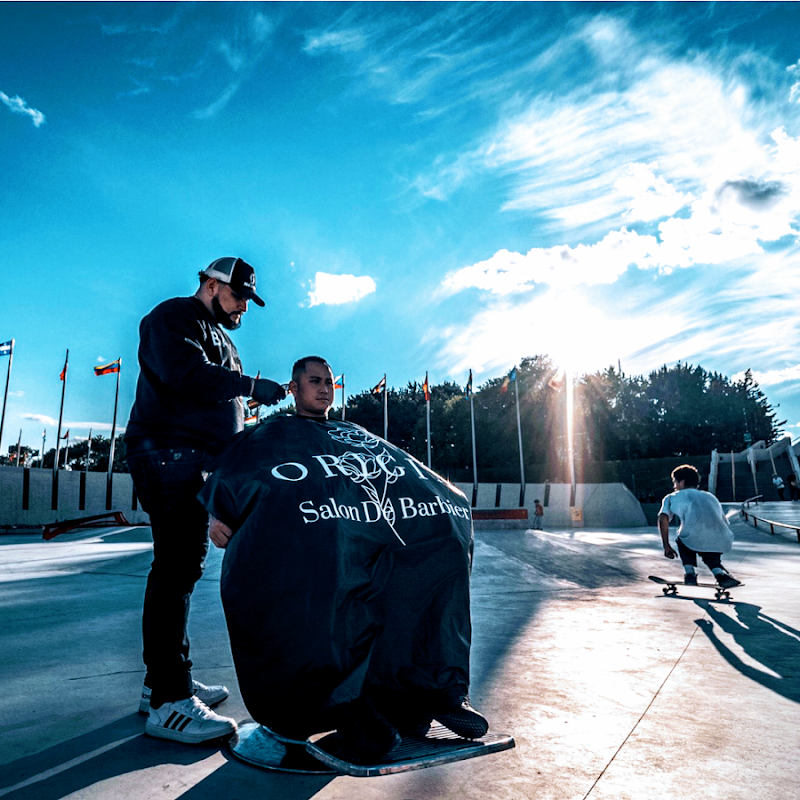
[
  {"x": 772, "y": 643},
  {"x": 122, "y": 749}
]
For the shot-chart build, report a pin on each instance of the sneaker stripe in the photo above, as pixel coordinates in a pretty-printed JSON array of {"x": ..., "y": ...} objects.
[
  {"x": 173, "y": 719},
  {"x": 183, "y": 723}
]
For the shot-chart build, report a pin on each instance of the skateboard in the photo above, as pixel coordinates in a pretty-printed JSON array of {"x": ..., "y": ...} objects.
[
  {"x": 671, "y": 587},
  {"x": 427, "y": 747}
]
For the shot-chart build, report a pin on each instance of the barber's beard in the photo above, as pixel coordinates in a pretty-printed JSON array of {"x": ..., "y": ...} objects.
[{"x": 222, "y": 316}]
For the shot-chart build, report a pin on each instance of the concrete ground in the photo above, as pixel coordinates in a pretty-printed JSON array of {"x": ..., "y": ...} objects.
[{"x": 612, "y": 690}]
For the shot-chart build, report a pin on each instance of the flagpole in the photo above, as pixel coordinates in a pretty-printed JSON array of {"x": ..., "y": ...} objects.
[
  {"x": 19, "y": 446},
  {"x": 44, "y": 439},
  {"x": 61, "y": 413},
  {"x": 474, "y": 457},
  {"x": 569, "y": 395},
  {"x": 5, "y": 395},
  {"x": 344, "y": 401},
  {"x": 114, "y": 423},
  {"x": 89, "y": 451},
  {"x": 521, "y": 459},
  {"x": 385, "y": 409},
  {"x": 428, "y": 406},
  {"x": 66, "y": 450}
]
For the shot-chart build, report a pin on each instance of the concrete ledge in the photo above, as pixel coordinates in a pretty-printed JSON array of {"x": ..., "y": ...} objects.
[{"x": 499, "y": 513}]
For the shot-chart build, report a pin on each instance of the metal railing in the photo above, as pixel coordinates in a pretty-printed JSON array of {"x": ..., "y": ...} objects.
[{"x": 749, "y": 517}]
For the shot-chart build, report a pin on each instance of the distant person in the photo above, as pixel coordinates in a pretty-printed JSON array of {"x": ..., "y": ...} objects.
[
  {"x": 794, "y": 492},
  {"x": 538, "y": 515},
  {"x": 188, "y": 406},
  {"x": 704, "y": 529},
  {"x": 777, "y": 482},
  {"x": 345, "y": 581}
]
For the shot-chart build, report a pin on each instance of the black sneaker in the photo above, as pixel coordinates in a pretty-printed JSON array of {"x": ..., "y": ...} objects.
[
  {"x": 453, "y": 710},
  {"x": 727, "y": 581},
  {"x": 690, "y": 579}
]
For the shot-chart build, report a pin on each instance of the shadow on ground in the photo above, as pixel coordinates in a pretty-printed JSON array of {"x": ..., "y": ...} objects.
[{"x": 121, "y": 749}]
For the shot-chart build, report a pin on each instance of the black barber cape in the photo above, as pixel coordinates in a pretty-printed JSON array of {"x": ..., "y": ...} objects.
[{"x": 349, "y": 566}]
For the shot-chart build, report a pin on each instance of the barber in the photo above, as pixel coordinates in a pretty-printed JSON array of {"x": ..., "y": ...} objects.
[{"x": 189, "y": 403}]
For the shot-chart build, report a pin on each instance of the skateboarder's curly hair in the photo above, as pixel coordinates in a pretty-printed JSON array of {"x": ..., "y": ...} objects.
[{"x": 688, "y": 474}]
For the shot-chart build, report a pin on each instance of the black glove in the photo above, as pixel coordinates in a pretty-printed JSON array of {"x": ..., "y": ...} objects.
[{"x": 267, "y": 392}]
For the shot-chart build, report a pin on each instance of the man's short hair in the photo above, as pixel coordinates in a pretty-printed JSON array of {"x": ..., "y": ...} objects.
[
  {"x": 688, "y": 474},
  {"x": 299, "y": 366}
]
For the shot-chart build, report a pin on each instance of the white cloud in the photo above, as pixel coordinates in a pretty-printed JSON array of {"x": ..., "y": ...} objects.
[
  {"x": 773, "y": 377},
  {"x": 49, "y": 422},
  {"x": 651, "y": 195},
  {"x": 560, "y": 267},
  {"x": 728, "y": 221},
  {"x": 339, "y": 289},
  {"x": 19, "y": 106},
  {"x": 342, "y": 41},
  {"x": 44, "y": 420}
]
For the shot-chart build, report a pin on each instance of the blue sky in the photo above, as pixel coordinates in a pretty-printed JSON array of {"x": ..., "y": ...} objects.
[{"x": 420, "y": 186}]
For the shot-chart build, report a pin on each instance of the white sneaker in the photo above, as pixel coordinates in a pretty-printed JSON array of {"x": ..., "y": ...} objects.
[
  {"x": 210, "y": 695},
  {"x": 190, "y": 721}
]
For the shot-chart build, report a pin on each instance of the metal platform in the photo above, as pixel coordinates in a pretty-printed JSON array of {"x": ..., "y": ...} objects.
[{"x": 416, "y": 751}]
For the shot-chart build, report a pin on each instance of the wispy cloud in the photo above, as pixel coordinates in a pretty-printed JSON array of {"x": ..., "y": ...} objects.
[
  {"x": 49, "y": 422},
  {"x": 332, "y": 290},
  {"x": 673, "y": 162},
  {"x": 242, "y": 49},
  {"x": 339, "y": 41},
  {"x": 44, "y": 420},
  {"x": 18, "y": 106}
]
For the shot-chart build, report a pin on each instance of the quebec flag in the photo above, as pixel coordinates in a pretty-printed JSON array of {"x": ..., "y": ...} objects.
[{"x": 6, "y": 348}]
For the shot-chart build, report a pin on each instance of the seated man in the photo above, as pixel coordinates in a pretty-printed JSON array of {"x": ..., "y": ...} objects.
[{"x": 345, "y": 581}]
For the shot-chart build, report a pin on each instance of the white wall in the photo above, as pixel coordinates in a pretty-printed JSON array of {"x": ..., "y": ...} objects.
[
  {"x": 610, "y": 505},
  {"x": 602, "y": 504},
  {"x": 40, "y": 498}
]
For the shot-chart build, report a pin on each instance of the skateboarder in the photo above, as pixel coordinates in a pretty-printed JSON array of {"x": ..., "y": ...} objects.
[
  {"x": 538, "y": 515},
  {"x": 345, "y": 581},
  {"x": 704, "y": 529}
]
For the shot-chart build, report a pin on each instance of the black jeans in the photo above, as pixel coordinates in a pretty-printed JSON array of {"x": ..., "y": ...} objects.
[
  {"x": 689, "y": 556},
  {"x": 167, "y": 482}
]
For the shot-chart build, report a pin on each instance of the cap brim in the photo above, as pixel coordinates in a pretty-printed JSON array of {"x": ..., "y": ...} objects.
[{"x": 251, "y": 295}]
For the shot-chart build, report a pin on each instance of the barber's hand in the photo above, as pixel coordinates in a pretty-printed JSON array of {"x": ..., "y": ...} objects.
[
  {"x": 219, "y": 532},
  {"x": 267, "y": 392}
]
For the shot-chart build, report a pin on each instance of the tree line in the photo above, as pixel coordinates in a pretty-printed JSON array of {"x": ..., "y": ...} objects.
[{"x": 674, "y": 411}]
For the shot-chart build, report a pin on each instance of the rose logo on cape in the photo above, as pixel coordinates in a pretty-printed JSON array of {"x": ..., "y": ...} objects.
[{"x": 372, "y": 470}]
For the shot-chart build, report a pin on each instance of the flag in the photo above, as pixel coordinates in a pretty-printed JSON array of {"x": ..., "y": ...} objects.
[
  {"x": 512, "y": 376},
  {"x": 251, "y": 420},
  {"x": 468, "y": 389},
  {"x": 66, "y": 434},
  {"x": 7, "y": 348},
  {"x": 63, "y": 375},
  {"x": 380, "y": 387},
  {"x": 426, "y": 389},
  {"x": 106, "y": 369},
  {"x": 338, "y": 383},
  {"x": 557, "y": 381}
]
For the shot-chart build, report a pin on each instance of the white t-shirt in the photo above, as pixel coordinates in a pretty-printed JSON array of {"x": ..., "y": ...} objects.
[{"x": 704, "y": 527}]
